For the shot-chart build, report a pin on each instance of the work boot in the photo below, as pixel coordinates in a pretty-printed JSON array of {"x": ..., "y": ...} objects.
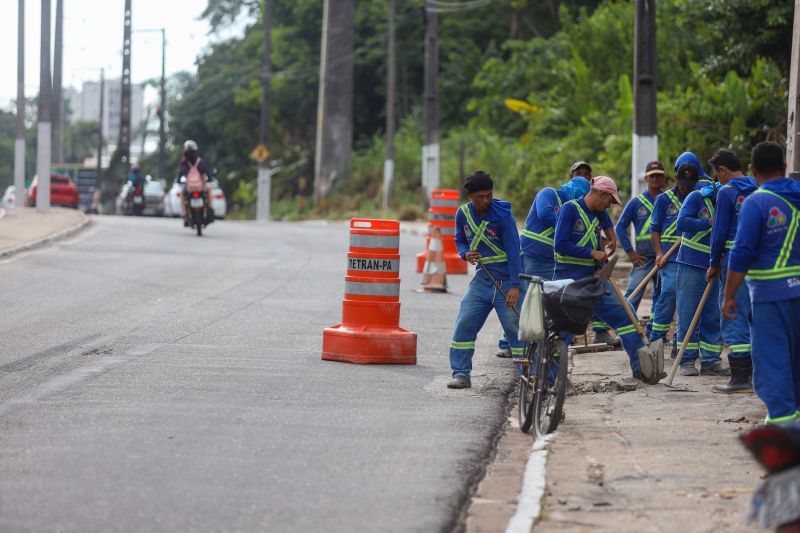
[
  {"x": 688, "y": 369},
  {"x": 714, "y": 370},
  {"x": 505, "y": 353},
  {"x": 741, "y": 377},
  {"x": 459, "y": 382},
  {"x": 604, "y": 337}
]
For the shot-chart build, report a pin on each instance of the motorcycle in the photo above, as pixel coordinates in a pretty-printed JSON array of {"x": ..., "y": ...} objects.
[
  {"x": 137, "y": 200},
  {"x": 199, "y": 214}
]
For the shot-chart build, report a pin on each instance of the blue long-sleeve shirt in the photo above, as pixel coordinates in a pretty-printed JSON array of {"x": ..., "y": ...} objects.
[
  {"x": 665, "y": 219},
  {"x": 694, "y": 222},
  {"x": 765, "y": 220},
  {"x": 500, "y": 235},
  {"x": 571, "y": 229},
  {"x": 729, "y": 201},
  {"x": 638, "y": 211},
  {"x": 537, "y": 237}
]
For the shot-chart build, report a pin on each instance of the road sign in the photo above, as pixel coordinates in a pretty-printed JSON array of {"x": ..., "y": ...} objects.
[{"x": 259, "y": 153}]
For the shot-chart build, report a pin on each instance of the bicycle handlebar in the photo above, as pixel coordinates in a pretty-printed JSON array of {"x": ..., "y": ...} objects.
[{"x": 532, "y": 278}]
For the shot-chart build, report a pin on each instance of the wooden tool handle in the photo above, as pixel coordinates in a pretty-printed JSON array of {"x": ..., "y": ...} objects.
[
  {"x": 653, "y": 271},
  {"x": 626, "y": 305},
  {"x": 689, "y": 332}
]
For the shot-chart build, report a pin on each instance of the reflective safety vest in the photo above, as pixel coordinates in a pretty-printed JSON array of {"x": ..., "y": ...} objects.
[
  {"x": 693, "y": 242},
  {"x": 589, "y": 236},
  {"x": 644, "y": 234},
  {"x": 781, "y": 269},
  {"x": 545, "y": 236},
  {"x": 479, "y": 235},
  {"x": 669, "y": 233}
]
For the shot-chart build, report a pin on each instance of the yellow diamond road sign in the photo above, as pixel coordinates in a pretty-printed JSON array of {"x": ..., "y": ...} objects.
[{"x": 260, "y": 153}]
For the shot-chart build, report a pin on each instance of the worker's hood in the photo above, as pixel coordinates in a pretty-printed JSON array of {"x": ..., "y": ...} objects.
[
  {"x": 745, "y": 184},
  {"x": 689, "y": 157},
  {"x": 786, "y": 188},
  {"x": 575, "y": 188}
]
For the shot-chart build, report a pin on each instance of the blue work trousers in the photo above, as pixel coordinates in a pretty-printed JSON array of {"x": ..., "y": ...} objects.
[
  {"x": 534, "y": 266},
  {"x": 609, "y": 309},
  {"x": 638, "y": 273},
  {"x": 481, "y": 297},
  {"x": 706, "y": 337},
  {"x": 736, "y": 332},
  {"x": 664, "y": 307},
  {"x": 776, "y": 358}
]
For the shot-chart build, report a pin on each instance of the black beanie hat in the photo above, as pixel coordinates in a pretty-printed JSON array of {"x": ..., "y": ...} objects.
[{"x": 479, "y": 181}]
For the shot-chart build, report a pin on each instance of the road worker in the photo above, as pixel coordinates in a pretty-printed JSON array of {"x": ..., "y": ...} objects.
[
  {"x": 727, "y": 168},
  {"x": 663, "y": 235},
  {"x": 639, "y": 212},
  {"x": 767, "y": 253},
  {"x": 486, "y": 235},
  {"x": 694, "y": 223},
  {"x": 704, "y": 180},
  {"x": 578, "y": 252}
]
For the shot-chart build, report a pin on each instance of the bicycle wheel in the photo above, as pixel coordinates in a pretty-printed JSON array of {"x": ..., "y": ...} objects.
[
  {"x": 525, "y": 408},
  {"x": 551, "y": 387}
]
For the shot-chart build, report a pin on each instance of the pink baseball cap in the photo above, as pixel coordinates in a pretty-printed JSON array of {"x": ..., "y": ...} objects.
[{"x": 606, "y": 184}]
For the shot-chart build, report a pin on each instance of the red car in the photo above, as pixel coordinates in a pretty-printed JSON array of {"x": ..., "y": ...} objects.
[{"x": 63, "y": 191}]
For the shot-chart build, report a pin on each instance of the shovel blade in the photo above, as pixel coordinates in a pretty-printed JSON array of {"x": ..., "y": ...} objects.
[{"x": 648, "y": 365}]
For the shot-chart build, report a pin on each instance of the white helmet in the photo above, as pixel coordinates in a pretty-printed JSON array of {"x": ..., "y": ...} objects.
[{"x": 190, "y": 146}]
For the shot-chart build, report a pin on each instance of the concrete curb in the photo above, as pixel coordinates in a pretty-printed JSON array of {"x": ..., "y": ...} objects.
[
  {"x": 49, "y": 239},
  {"x": 2, "y": 212}
]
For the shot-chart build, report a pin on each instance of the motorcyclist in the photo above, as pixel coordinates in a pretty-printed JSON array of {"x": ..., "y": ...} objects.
[{"x": 191, "y": 158}]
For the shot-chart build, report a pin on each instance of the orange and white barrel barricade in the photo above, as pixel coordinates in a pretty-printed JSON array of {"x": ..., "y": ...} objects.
[
  {"x": 442, "y": 215},
  {"x": 370, "y": 331}
]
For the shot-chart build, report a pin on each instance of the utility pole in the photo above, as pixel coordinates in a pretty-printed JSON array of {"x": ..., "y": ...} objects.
[
  {"x": 100, "y": 127},
  {"x": 391, "y": 82},
  {"x": 645, "y": 138},
  {"x": 58, "y": 97},
  {"x": 430, "y": 150},
  {"x": 124, "y": 143},
  {"x": 162, "y": 135},
  {"x": 19, "y": 142},
  {"x": 43, "y": 130},
  {"x": 335, "y": 107},
  {"x": 264, "y": 190},
  {"x": 793, "y": 134}
]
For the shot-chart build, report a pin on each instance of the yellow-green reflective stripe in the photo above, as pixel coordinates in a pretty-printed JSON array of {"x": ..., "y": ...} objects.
[
  {"x": 689, "y": 243},
  {"x": 660, "y": 327},
  {"x": 670, "y": 230},
  {"x": 600, "y": 324},
  {"x": 788, "y": 242},
  {"x": 590, "y": 226},
  {"x": 675, "y": 200},
  {"x": 643, "y": 199},
  {"x": 540, "y": 237},
  {"x": 494, "y": 259},
  {"x": 463, "y": 345},
  {"x": 570, "y": 260},
  {"x": 739, "y": 348},
  {"x": 710, "y": 347},
  {"x": 626, "y": 329},
  {"x": 774, "y": 273},
  {"x": 644, "y": 234},
  {"x": 479, "y": 236},
  {"x": 517, "y": 351},
  {"x": 692, "y": 346},
  {"x": 729, "y": 244},
  {"x": 781, "y": 419}
]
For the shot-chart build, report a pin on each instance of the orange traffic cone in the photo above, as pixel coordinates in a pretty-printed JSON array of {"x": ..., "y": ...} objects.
[{"x": 434, "y": 276}]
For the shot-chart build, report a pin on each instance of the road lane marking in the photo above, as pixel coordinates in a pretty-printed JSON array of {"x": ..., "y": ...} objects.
[{"x": 533, "y": 485}]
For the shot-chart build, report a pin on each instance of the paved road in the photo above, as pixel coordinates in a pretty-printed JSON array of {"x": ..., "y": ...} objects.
[{"x": 151, "y": 380}]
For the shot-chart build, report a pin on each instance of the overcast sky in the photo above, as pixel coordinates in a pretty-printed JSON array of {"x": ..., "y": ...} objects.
[{"x": 93, "y": 39}]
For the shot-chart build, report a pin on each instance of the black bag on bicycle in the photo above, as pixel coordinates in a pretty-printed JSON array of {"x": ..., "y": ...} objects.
[{"x": 570, "y": 307}]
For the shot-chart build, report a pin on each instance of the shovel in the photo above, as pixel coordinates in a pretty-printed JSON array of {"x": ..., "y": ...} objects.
[
  {"x": 651, "y": 357},
  {"x": 652, "y": 272},
  {"x": 695, "y": 319}
]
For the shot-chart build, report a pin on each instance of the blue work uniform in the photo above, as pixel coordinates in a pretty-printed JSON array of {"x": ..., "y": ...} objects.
[
  {"x": 665, "y": 223},
  {"x": 694, "y": 222},
  {"x": 639, "y": 211},
  {"x": 577, "y": 235},
  {"x": 495, "y": 236},
  {"x": 767, "y": 248},
  {"x": 730, "y": 198}
]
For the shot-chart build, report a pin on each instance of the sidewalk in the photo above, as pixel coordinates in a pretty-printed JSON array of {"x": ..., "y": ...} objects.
[{"x": 24, "y": 228}]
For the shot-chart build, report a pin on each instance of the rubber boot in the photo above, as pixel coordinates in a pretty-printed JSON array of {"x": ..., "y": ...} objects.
[{"x": 741, "y": 377}]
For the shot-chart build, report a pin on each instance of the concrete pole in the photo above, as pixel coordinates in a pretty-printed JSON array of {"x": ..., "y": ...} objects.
[
  {"x": 792, "y": 133},
  {"x": 58, "y": 96},
  {"x": 391, "y": 82},
  {"x": 430, "y": 150},
  {"x": 335, "y": 107},
  {"x": 264, "y": 190},
  {"x": 162, "y": 136},
  {"x": 44, "y": 129},
  {"x": 99, "y": 179},
  {"x": 19, "y": 142},
  {"x": 645, "y": 138}
]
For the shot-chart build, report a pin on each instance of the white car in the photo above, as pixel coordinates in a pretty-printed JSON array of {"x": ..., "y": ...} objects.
[
  {"x": 8, "y": 198},
  {"x": 172, "y": 201},
  {"x": 153, "y": 198}
]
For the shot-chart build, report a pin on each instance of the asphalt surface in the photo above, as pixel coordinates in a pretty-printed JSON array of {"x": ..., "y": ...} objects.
[{"x": 151, "y": 380}]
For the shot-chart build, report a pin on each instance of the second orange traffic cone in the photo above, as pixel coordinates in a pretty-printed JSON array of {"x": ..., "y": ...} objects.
[{"x": 434, "y": 276}]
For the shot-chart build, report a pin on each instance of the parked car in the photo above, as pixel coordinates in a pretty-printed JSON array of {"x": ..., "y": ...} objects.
[
  {"x": 172, "y": 201},
  {"x": 153, "y": 198},
  {"x": 8, "y": 198},
  {"x": 63, "y": 191}
]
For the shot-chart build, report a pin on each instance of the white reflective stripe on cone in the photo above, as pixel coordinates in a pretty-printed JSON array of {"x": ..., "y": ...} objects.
[
  {"x": 436, "y": 246},
  {"x": 369, "y": 264},
  {"x": 445, "y": 231},
  {"x": 358, "y": 240},
  {"x": 440, "y": 216},
  {"x": 372, "y": 289},
  {"x": 444, "y": 203}
]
